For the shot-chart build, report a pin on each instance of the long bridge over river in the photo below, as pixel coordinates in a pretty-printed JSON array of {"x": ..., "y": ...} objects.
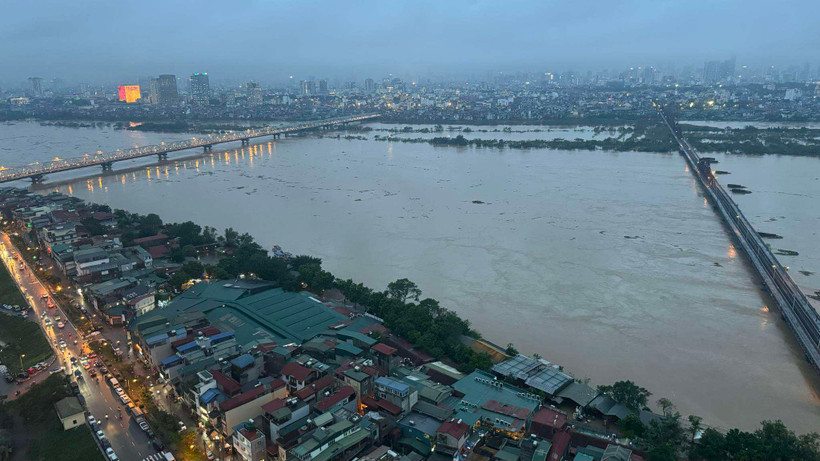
[
  {"x": 794, "y": 307},
  {"x": 36, "y": 172}
]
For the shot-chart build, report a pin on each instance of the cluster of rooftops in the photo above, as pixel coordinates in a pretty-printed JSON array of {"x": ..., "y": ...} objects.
[{"x": 298, "y": 367}]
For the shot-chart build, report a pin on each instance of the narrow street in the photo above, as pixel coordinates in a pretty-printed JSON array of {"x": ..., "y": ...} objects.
[{"x": 125, "y": 436}]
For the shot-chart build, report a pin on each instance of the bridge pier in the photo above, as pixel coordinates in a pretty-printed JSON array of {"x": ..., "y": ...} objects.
[
  {"x": 207, "y": 148},
  {"x": 107, "y": 166},
  {"x": 246, "y": 142},
  {"x": 277, "y": 135},
  {"x": 162, "y": 156},
  {"x": 37, "y": 179}
]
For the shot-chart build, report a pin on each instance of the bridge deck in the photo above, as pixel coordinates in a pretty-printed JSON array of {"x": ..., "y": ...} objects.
[
  {"x": 794, "y": 307},
  {"x": 107, "y": 158}
]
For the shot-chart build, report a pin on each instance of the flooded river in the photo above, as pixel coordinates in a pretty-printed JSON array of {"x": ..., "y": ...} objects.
[{"x": 610, "y": 264}]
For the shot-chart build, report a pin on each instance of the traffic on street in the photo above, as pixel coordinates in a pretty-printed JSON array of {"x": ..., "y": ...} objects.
[{"x": 106, "y": 410}]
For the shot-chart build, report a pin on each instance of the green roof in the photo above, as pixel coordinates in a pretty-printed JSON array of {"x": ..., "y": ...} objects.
[
  {"x": 68, "y": 406},
  {"x": 253, "y": 311}
]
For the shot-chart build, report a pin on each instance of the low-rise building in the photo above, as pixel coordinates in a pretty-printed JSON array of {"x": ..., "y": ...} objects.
[
  {"x": 70, "y": 412},
  {"x": 249, "y": 442},
  {"x": 396, "y": 392}
]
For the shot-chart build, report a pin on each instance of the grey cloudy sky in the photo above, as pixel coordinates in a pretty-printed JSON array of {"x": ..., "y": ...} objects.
[{"x": 103, "y": 41}]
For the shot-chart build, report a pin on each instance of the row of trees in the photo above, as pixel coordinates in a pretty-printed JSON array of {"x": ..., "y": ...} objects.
[{"x": 670, "y": 438}]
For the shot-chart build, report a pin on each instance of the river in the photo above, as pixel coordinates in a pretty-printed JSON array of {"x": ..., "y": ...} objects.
[{"x": 610, "y": 264}]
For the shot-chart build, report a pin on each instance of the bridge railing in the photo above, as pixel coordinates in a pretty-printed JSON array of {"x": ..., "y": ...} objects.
[
  {"x": 99, "y": 158},
  {"x": 790, "y": 294}
]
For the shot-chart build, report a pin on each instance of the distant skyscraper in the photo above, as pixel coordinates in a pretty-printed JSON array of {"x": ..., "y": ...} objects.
[
  {"x": 36, "y": 85},
  {"x": 200, "y": 88},
  {"x": 369, "y": 84},
  {"x": 323, "y": 86},
  {"x": 166, "y": 90},
  {"x": 717, "y": 71},
  {"x": 254, "y": 94}
]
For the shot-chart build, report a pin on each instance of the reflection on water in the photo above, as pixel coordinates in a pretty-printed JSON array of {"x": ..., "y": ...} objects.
[{"x": 614, "y": 262}]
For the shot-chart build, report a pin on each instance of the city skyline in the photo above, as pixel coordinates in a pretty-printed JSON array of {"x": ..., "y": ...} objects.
[{"x": 357, "y": 41}]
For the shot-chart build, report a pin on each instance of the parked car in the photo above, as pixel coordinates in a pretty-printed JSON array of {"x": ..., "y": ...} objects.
[
  {"x": 100, "y": 435},
  {"x": 92, "y": 419},
  {"x": 57, "y": 370},
  {"x": 110, "y": 453}
]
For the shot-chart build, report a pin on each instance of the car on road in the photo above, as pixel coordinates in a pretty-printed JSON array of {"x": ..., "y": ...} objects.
[
  {"x": 60, "y": 325},
  {"x": 110, "y": 453},
  {"x": 73, "y": 360},
  {"x": 210, "y": 455},
  {"x": 92, "y": 419},
  {"x": 182, "y": 427},
  {"x": 119, "y": 391},
  {"x": 92, "y": 372},
  {"x": 47, "y": 321},
  {"x": 57, "y": 370},
  {"x": 98, "y": 364},
  {"x": 100, "y": 435},
  {"x": 63, "y": 345},
  {"x": 78, "y": 374}
]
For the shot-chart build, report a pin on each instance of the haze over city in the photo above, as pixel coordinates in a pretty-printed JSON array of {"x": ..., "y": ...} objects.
[
  {"x": 104, "y": 42},
  {"x": 409, "y": 231}
]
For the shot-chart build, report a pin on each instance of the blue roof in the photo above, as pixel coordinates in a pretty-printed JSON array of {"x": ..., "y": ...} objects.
[
  {"x": 171, "y": 360},
  {"x": 221, "y": 336},
  {"x": 156, "y": 339},
  {"x": 188, "y": 346},
  {"x": 242, "y": 361},
  {"x": 209, "y": 396},
  {"x": 392, "y": 384}
]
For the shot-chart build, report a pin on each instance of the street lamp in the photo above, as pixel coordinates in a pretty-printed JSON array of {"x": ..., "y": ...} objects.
[{"x": 21, "y": 360}]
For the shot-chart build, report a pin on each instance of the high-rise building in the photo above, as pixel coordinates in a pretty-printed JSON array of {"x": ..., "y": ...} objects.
[
  {"x": 254, "y": 93},
  {"x": 717, "y": 71},
  {"x": 166, "y": 90},
  {"x": 369, "y": 84},
  {"x": 36, "y": 85},
  {"x": 303, "y": 87},
  {"x": 200, "y": 88},
  {"x": 323, "y": 86}
]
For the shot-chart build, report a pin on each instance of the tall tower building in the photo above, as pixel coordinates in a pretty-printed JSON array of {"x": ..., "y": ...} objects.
[
  {"x": 200, "y": 88},
  {"x": 254, "y": 94},
  {"x": 36, "y": 85},
  {"x": 303, "y": 87},
  {"x": 323, "y": 86},
  {"x": 369, "y": 85},
  {"x": 166, "y": 90}
]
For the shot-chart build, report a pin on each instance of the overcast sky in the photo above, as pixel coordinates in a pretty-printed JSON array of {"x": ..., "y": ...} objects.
[{"x": 267, "y": 40}]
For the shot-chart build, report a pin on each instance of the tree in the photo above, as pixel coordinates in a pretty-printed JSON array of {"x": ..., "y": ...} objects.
[
  {"x": 664, "y": 438},
  {"x": 93, "y": 226},
  {"x": 627, "y": 393},
  {"x": 632, "y": 426},
  {"x": 231, "y": 237},
  {"x": 711, "y": 446},
  {"x": 511, "y": 350},
  {"x": 402, "y": 289},
  {"x": 189, "y": 251},
  {"x": 666, "y": 405},
  {"x": 150, "y": 224},
  {"x": 694, "y": 426}
]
